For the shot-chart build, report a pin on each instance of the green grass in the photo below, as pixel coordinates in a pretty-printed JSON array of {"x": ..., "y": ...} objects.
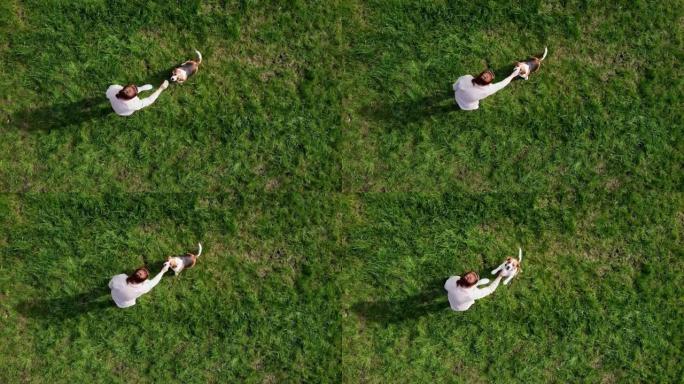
[
  {"x": 596, "y": 300},
  {"x": 261, "y": 308},
  {"x": 319, "y": 158}
]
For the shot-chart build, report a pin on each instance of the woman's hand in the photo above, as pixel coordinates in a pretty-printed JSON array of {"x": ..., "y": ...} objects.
[{"x": 165, "y": 267}]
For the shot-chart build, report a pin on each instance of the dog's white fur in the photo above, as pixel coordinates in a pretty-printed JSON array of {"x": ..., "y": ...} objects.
[
  {"x": 525, "y": 68},
  {"x": 179, "y": 75},
  {"x": 177, "y": 264},
  {"x": 510, "y": 267}
]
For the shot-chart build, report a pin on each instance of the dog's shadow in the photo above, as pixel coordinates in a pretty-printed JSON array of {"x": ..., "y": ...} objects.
[
  {"x": 67, "y": 307},
  {"x": 432, "y": 299}
]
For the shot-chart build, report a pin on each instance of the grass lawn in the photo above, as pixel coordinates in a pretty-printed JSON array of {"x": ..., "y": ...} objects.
[{"x": 319, "y": 158}]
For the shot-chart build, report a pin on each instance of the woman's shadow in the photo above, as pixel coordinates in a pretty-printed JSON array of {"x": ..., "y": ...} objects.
[
  {"x": 75, "y": 113},
  {"x": 432, "y": 299},
  {"x": 439, "y": 102},
  {"x": 67, "y": 307},
  {"x": 60, "y": 116},
  {"x": 96, "y": 299}
]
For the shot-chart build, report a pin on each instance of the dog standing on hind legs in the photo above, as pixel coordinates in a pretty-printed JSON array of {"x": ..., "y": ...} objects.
[
  {"x": 187, "y": 69},
  {"x": 510, "y": 267},
  {"x": 179, "y": 263}
]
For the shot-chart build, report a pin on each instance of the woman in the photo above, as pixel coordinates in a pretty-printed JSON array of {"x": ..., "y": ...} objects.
[
  {"x": 125, "y": 100},
  {"x": 125, "y": 289},
  {"x": 468, "y": 90},
  {"x": 463, "y": 291}
]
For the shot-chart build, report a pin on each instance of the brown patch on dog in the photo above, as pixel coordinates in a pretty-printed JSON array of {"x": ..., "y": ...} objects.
[{"x": 194, "y": 259}]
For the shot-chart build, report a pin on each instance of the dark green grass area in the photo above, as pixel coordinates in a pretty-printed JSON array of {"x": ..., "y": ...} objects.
[
  {"x": 319, "y": 157},
  {"x": 258, "y": 307},
  {"x": 342, "y": 96},
  {"x": 604, "y": 112},
  {"x": 261, "y": 114},
  {"x": 599, "y": 298},
  {"x": 342, "y": 288}
]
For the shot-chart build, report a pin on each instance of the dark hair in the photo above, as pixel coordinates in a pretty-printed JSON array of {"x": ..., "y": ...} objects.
[
  {"x": 479, "y": 80},
  {"x": 135, "y": 279},
  {"x": 128, "y": 92},
  {"x": 468, "y": 280}
]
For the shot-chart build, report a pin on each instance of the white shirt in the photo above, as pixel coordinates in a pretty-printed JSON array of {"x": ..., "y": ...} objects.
[
  {"x": 127, "y": 107},
  {"x": 468, "y": 94},
  {"x": 461, "y": 298},
  {"x": 124, "y": 294}
]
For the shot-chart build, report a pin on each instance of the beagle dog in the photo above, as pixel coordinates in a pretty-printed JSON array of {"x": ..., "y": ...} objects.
[
  {"x": 531, "y": 65},
  {"x": 179, "y": 263},
  {"x": 510, "y": 267},
  {"x": 187, "y": 69}
]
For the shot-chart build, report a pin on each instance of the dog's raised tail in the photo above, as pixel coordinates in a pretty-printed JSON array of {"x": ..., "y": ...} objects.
[
  {"x": 199, "y": 245},
  {"x": 519, "y": 254},
  {"x": 199, "y": 56},
  {"x": 546, "y": 50}
]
